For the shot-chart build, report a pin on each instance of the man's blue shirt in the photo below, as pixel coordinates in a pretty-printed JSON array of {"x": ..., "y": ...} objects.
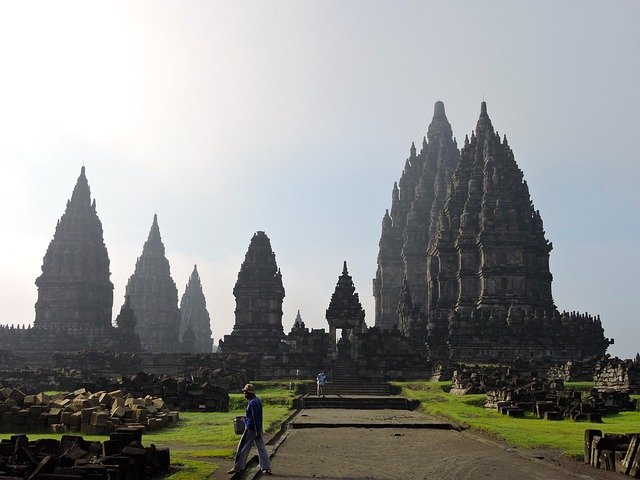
[{"x": 253, "y": 418}]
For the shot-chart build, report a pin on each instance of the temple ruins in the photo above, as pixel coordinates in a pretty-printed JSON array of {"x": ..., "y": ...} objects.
[{"x": 462, "y": 277}]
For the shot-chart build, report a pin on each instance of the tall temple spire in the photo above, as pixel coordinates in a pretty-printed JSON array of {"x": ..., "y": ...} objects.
[
  {"x": 154, "y": 296},
  {"x": 74, "y": 288},
  {"x": 194, "y": 314},
  {"x": 81, "y": 196},
  {"x": 484, "y": 126},
  {"x": 414, "y": 211},
  {"x": 499, "y": 251},
  {"x": 154, "y": 240}
]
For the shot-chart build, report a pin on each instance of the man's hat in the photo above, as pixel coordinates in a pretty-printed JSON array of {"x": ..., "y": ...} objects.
[{"x": 248, "y": 388}]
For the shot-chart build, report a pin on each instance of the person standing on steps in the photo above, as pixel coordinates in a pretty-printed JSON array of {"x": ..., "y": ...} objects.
[
  {"x": 252, "y": 435},
  {"x": 321, "y": 381}
]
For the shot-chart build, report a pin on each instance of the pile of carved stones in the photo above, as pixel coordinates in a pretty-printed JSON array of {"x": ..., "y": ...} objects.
[
  {"x": 613, "y": 452},
  {"x": 96, "y": 413},
  {"x": 481, "y": 379},
  {"x": 180, "y": 392},
  {"x": 550, "y": 401},
  {"x": 228, "y": 370},
  {"x": 72, "y": 458},
  {"x": 618, "y": 375}
]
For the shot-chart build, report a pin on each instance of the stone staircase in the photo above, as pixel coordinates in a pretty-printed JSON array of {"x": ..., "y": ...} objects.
[
  {"x": 357, "y": 387},
  {"x": 356, "y": 402},
  {"x": 351, "y": 393}
]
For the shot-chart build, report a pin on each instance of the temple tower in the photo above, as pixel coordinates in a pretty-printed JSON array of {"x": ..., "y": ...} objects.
[
  {"x": 490, "y": 251},
  {"x": 194, "y": 313},
  {"x": 298, "y": 322},
  {"x": 154, "y": 296},
  {"x": 259, "y": 294},
  {"x": 410, "y": 227},
  {"x": 345, "y": 312},
  {"x": 127, "y": 338},
  {"x": 74, "y": 288}
]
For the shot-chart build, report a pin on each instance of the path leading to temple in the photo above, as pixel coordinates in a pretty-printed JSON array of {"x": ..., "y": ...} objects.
[{"x": 384, "y": 448}]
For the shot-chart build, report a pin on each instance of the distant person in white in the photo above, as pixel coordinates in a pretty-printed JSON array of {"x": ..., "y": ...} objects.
[{"x": 321, "y": 380}]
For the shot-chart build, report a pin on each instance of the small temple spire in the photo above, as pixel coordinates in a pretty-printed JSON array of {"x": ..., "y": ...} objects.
[
  {"x": 484, "y": 126},
  {"x": 344, "y": 268},
  {"x": 154, "y": 240},
  {"x": 81, "y": 196}
]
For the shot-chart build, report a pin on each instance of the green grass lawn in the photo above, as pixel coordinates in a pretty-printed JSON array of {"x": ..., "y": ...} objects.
[
  {"x": 200, "y": 438},
  {"x": 565, "y": 435}
]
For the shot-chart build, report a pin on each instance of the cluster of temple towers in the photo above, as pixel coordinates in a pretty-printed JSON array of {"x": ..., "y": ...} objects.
[
  {"x": 462, "y": 275},
  {"x": 75, "y": 293},
  {"x": 463, "y": 263}
]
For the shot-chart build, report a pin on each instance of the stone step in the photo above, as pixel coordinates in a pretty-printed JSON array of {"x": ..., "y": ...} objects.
[
  {"x": 346, "y": 387},
  {"x": 345, "y": 390},
  {"x": 356, "y": 402}
]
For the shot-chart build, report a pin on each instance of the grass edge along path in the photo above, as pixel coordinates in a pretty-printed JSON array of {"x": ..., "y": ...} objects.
[
  {"x": 566, "y": 436},
  {"x": 215, "y": 429}
]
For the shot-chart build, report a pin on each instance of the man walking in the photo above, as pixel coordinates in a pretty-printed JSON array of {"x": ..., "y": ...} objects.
[
  {"x": 252, "y": 435},
  {"x": 321, "y": 380}
]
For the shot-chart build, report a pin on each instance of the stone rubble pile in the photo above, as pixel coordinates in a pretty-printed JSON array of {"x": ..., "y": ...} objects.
[
  {"x": 97, "y": 362},
  {"x": 96, "y": 413},
  {"x": 229, "y": 371},
  {"x": 551, "y": 402},
  {"x": 617, "y": 375},
  {"x": 481, "y": 379},
  {"x": 613, "y": 452},
  {"x": 181, "y": 392},
  {"x": 575, "y": 371},
  {"x": 122, "y": 457}
]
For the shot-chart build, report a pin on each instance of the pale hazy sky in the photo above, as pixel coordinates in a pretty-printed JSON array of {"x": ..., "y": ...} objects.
[{"x": 295, "y": 117}]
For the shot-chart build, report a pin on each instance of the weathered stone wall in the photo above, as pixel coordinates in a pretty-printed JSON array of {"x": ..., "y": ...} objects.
[
  {"x": 575, "y": 371},
  {"x": 617, "y": 375},
  {"x": 389, "y": 355},
  {"x": 508, "y": 337},
  {"x": 98, "y": 362}
]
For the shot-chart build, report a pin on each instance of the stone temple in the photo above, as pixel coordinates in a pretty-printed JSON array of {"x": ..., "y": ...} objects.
[
  {"x": 480, "y": 290},
  {"x": 194, "y": 314},
  {"x": 154, "y": 297},
  {"x": 259, "y": 294},
  {"x": 462, "y": 277},
  {"x": 75, "y": 293}
]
